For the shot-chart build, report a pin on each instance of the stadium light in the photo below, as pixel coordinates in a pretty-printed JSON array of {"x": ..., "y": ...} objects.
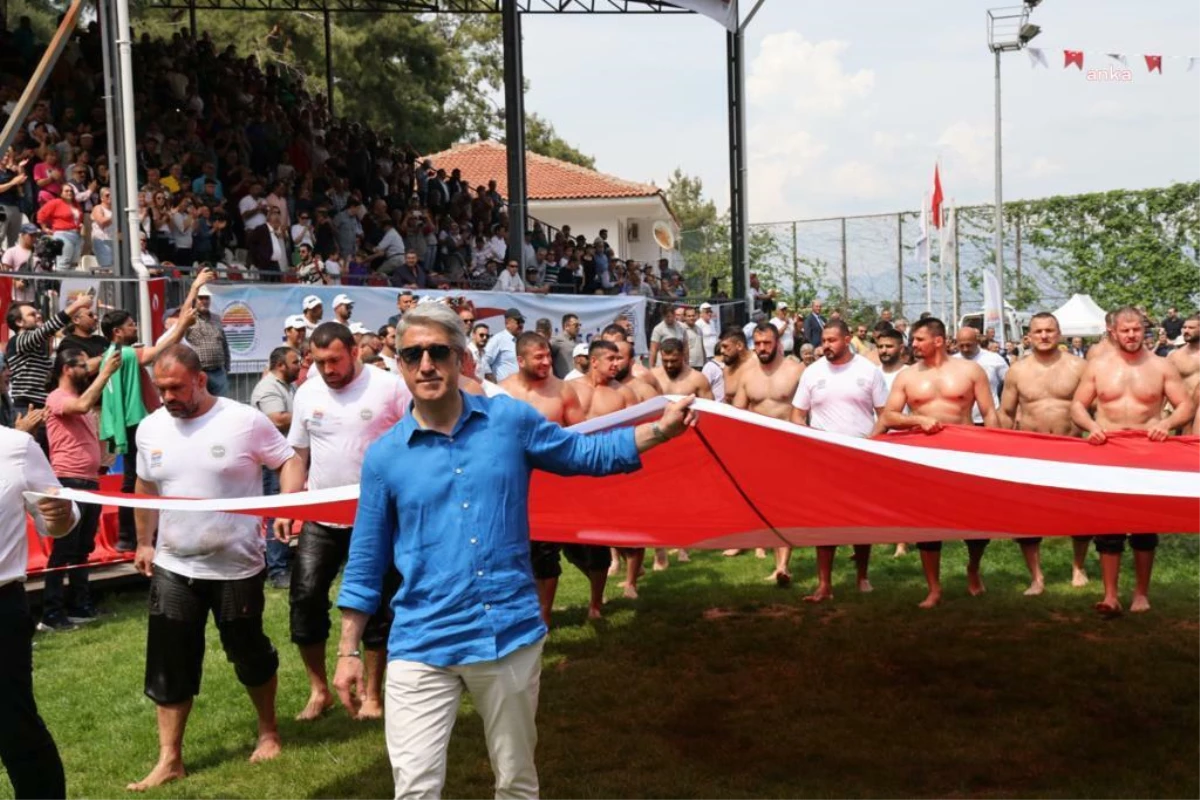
[{"x": 1009, "y": 29}]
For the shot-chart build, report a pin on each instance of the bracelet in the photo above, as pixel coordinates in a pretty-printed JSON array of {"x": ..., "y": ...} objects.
[
  {"x": 351, "y": 654},
  {"x": 657, "y": 433}
]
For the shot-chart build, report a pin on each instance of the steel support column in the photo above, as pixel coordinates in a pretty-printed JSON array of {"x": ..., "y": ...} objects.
[
  {"x": 514, "y": 127},
  {"x": 738, "y": 226},
  {"x": 106, "y": 14},
  {"x": 328, "y": 61},
  {"x": 192, "y": 18}
]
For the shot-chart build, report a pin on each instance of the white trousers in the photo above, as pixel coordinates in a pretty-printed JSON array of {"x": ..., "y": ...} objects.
[{"x": 421, "y": 704}]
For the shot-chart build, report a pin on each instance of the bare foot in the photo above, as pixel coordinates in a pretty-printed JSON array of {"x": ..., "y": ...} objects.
[
  {"x": 660, "y": 563},
  {"x": 370, "y": 709},
  {"x": 319, "y": 701},
  {"x": 683, "y": 556},
  {"x": 974, "y": 583},
  {"x": 901, "y": 550},
  {"x": 594, "y": 613},
  {"x": 760, "y": 552},
  {"x": 1140, "y": 604},
  {"x": 865, "y": 586},
  {"x": 730, "y": 553},
  {"x": 163, "y": 772},
  {"x": 1108, "y": 608},
  {"x": 822, "y": 594},
  {"x": 934, "y": 599},
  {"x": 630, "y": 591},
  {"x": 268, "y": 747},
  {"x": 1079, "y": 578},
  {"x": 783, "y": 578},
  {"x": 1036, "y": 587},
  {"x": 614, "y": 568}
]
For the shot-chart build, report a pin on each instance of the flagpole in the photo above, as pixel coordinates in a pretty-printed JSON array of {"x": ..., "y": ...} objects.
[
  {"x": 954, "y": 257},
  {"x": 928, "y": 267}
]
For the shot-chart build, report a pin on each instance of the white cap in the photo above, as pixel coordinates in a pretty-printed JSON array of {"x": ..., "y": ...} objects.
[
  {"x": 358, "y": 328},
  {"x": 295, "y": 321},
  {"x": 705, "y": 306},
  {"x": 204, "y": 292},
  {"x": 580, "y": 350},
  {"x": 782, "y": 306},
  {"x": 312, "y": 301},
  {"x": 342, "y": 300}
]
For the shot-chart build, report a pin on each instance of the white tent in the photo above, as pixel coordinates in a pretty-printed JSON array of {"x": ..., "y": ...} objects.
[{"x": 1080, "y": 316}]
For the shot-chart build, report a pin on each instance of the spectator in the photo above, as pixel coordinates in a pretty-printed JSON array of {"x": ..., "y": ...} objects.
[
  {"x": 183, "y": 224},
  {"x": 500, "y": 358},
  {"x": 814, "y": 325},
  {"x": 28, "y": 350},
  {"x": 1173, "y": 324},
  {"x": 12, "y": 186},
  {"x": 75, "y": 458},
  {"x": 390, "y": 256},
  {"x": 16, "y": 258},
  {"x": 695, "y": 341},
  {"x": 48, "y": 176},
  {"x": 63, "y": 219},
  {"x": 1077, "y": 347},
  {"x": 102, "y": 220},
  {"x": 207, "y": 338},
  {"x": 668, "y": 328},
  {"x": 273, "y": 396},
  {"x": 313, "y": 310},
  {"x": 83, "y": 336},
  {"x": 302, "y": 231},
  {"x": 343, "y": 308},
  {"x": 708, "y": 327},
  {"x": 510, "y": 279},
  {"x": 581, "y": 361},
  {"x": 562, "y": 345},
  {"x": 477, "y": 343}
]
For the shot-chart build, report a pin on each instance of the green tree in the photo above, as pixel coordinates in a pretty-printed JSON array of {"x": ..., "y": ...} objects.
[
  {"x": 541, "y": 138},
  {"x": 685, "y": 195}
]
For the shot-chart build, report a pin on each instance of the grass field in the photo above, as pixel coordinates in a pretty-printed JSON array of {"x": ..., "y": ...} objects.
[{"x": 716, "y": 684}]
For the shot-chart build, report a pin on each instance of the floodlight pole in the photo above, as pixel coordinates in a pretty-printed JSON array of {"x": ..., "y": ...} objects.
[
  {"x": 328, "y": 62},
  {"x": 514, "y": 127},
  {"x": 999, "y": 221},
  {"x": 738, "y": 251}
]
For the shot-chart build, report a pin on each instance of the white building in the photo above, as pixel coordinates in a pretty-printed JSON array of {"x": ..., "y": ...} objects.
[{"x": 561, "y": 193}]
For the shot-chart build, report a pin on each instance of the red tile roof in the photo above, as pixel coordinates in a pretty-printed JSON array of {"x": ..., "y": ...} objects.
[{"x": 548, "y": 178}]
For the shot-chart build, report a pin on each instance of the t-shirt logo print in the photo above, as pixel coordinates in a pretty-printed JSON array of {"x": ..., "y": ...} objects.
[
  {"x": 366, "y": 414},
  {"x": 218, "y": 451}
]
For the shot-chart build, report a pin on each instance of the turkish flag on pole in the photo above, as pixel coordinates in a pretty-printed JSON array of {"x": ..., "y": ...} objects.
[
  {"x": 935, "y": 206},
  {"x": 1073, "y": 57},
  {"x": 1154, "y": 63}
]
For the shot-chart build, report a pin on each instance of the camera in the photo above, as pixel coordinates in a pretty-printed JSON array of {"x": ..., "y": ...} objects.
[{"x": 45, "y": 251}]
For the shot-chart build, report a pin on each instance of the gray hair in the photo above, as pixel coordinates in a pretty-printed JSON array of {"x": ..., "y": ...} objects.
[{"x": 434, "y": 315}]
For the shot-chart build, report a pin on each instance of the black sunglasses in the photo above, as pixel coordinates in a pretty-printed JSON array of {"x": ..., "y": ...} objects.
[{"x": 412, "y": 356}]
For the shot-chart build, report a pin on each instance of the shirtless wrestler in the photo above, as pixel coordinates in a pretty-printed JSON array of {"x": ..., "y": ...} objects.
[{"x": 940, "y": 390}]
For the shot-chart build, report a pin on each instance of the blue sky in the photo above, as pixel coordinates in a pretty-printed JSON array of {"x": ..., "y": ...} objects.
[{"x": 852, "y": 102}]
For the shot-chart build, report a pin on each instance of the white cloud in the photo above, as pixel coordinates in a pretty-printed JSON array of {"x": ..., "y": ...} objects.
[
  {"x": 804, "y": 76},
  {"x": 968, "y": 149},
  {"x": 858, "y": 179},
  {"x": 1042, "y": 166}
]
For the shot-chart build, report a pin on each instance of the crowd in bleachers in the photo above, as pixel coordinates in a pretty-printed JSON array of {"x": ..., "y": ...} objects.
[{"x": 240, "y": 165}]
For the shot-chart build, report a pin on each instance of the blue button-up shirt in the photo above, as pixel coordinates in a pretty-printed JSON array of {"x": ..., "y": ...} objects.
[
  {"x": 452, "y": 514},
  {"x": 501, "y": 355}
]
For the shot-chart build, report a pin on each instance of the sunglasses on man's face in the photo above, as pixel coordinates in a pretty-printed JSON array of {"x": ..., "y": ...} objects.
[{"x": 438, "y": 353}]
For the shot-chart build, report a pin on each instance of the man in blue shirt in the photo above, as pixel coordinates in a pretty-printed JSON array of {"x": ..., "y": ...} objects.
[
  {"x": 501, "y": 352},
  {"x": 445, "y": 498}
]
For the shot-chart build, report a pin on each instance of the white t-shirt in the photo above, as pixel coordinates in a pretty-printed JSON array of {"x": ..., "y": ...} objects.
[
  {"x": 25, "y": 470},
  {"x": 708, "y": 333},
  {"x": 889, "y": 378},
  {"x": 842, "y": 398},
  {"x": 337, "y": 425},
  {"x": 574, "y": 375},
  {"x": 217, "y": 455},
  {"x": 253, "y": 221},
  {"x": 786, "y": 337},
  {"x": 716, "y": 378}
]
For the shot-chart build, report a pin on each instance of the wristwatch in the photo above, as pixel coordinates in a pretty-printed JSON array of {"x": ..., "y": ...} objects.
[{"x": 351, "y": 654}]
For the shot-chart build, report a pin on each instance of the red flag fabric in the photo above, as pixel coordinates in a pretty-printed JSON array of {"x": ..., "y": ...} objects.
[
  {"x": 741, "y": 480},
  {"x": 936, "y": 204},
  {"x": 1154, "y": 63},
  {"x": 1073, "y": 57}
]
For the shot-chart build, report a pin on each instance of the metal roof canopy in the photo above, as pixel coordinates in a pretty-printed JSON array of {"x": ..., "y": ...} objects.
[{"x": 514, "y": 76}]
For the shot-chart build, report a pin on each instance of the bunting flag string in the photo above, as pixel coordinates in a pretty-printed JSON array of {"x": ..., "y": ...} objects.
[{"x": 1085, "y": 61}]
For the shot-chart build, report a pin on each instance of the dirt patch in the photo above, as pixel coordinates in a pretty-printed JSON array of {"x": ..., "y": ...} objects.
[{"x": 774, "y": 611}]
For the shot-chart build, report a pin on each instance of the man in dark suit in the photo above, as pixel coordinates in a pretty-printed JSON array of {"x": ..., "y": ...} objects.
[{"x": 814, "y": 325}]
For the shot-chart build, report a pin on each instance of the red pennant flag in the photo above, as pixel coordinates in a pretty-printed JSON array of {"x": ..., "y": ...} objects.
[
  {"x": 1073, "y": 57},
  {"x": 1154, "y": 63},
  {"x": 936, "y": 205}
]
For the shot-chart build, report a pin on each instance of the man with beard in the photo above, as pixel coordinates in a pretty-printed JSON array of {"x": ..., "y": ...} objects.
[
  {"x": 202, "y": 446},
  {"x": 1187, "y": 358},
  {"x": 1128, "y": 388},
  {"x": 334, "y": 420},
  {"x": 843, "y": 393},
  {"x": 938, "y": 391},
  {"x": 676, "y": 376},
  {"x": 769, "y": 391},
  {"x": 889, "y": 346},
  {"x": 631, "y": 374},
  {"x": 1037, "y": 397},
  {"x": 535, "y": 383},
  {"x": 1105, "y": 346},
  {"x": 738, "y": 363}
]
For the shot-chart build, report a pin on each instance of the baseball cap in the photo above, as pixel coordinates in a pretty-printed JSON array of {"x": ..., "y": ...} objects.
[
  {"x": 204, "y": 292},
  {"x": 782, "y": 306},
  {"x": 705, "y": 306},
  {"x": 312, "y": 301},
  {"x": 342, "y": 300},
  {"x": 580, "y": 350},
  {"x": 29, "y": 227},
  {"x": 514, "y": 313},
  {"x": 294, "y": 321},
  {"x": 358, "y": 328}
]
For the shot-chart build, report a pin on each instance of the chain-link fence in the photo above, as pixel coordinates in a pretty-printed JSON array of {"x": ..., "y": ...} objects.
[{"x": 876, "y": 260}]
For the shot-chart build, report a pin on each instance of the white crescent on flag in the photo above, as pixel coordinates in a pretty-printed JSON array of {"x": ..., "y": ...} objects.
[{"x": 742, "y": 480}]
